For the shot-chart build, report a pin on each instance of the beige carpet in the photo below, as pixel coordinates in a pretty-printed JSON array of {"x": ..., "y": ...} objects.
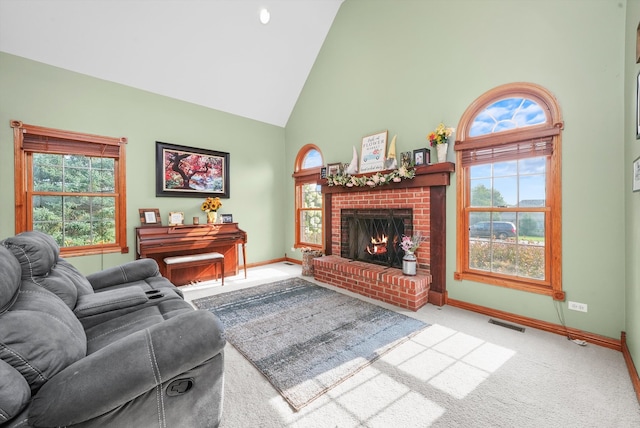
[{"x": 460, "y": 372}]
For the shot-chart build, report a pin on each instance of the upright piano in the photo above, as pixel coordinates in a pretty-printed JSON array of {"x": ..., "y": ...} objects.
[{"x": 158, "y": 242}]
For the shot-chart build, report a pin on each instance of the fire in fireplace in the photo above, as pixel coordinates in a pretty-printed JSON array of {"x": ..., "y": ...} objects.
[
  {"x": 378, "y": 246},
  {"x": 373, "y": 235}
]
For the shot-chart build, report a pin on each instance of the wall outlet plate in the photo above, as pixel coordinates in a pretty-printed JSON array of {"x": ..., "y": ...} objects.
[{"x": 575, "y": 306}]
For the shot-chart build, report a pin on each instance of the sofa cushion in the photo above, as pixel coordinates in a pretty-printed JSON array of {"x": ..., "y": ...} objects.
[
  {"x": 15, "y": 393},
  {"x": 112, "y": 330},
  {"x": 9, "y": 279},
  {"x": 36, "y": 252},
  {"x": 142, "y": 273},
  {"x": 38, "y": 255},
  {"x": 40, "y": 335}
]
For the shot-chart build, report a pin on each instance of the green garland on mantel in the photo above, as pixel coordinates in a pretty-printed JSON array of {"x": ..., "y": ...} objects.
[{"x": 377, "y": 179}]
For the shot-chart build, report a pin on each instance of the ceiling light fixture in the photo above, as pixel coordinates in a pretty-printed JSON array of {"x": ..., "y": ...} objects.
[{"x": 265, "y": 16}]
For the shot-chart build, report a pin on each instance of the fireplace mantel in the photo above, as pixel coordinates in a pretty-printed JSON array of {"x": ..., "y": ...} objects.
[
  {"x": 436, "y": 178},
  {"x": 437, "y": 174}
]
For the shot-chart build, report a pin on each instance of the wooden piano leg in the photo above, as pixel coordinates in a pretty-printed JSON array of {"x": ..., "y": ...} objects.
[{"x": 244, "y": 260}]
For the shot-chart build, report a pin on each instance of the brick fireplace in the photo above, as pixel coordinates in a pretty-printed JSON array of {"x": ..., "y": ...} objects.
[{"x": 424, "y": 196}]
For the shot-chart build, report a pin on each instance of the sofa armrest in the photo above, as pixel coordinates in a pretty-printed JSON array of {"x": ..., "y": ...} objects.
[
  {"x": 109, "y": 300},
  {"x": 14, "y": 393},
  {"x": 136, "y": 270},
  {"x": 127, "y": 368}
]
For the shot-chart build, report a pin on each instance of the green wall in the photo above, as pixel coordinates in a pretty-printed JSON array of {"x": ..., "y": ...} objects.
[
  {"x": 632, "y": 200},
  {"x": 42, "y": 95},
  {"x": 403, "y": 66},
  {"x": 406, "y": 65}
]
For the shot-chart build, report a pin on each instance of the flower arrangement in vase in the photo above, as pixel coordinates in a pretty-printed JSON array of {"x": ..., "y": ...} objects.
[
  {"x": 440, "y": 140},
  {"x": 409, "y": 244},
  {"x": 211, "y": 206}
]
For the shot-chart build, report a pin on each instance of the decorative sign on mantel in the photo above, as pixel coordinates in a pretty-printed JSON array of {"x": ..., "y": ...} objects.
[{"x": 373, "y": 151}]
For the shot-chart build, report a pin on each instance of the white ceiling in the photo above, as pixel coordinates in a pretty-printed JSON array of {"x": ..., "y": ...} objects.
[{"x": 213, "y": 53}]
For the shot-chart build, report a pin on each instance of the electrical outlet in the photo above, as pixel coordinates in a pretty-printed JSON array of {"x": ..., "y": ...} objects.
[{"x": 575, "y": 306}]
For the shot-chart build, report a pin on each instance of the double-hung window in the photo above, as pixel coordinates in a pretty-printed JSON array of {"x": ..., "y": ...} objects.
[
  {"x": 72, "y": 187},
  {"x": 508, "y": 151}
]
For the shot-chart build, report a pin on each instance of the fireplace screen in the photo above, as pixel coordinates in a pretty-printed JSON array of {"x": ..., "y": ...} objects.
[{"x": 374, "y": 235}]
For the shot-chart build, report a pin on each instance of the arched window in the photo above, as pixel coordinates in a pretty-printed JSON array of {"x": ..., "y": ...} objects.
[
  {"x": 308, "y": 197},
  {"x": 508, "y": 154}
]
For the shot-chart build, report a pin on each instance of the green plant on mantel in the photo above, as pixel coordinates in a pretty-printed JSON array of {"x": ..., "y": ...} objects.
[{"x": 377, "y": 179}]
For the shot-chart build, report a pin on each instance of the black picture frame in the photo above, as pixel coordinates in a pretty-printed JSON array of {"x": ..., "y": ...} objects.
[
  {"x": 420, "y": 157},
  {"x": 211, "y": 176},
  {"x": 226, "y": 218}
]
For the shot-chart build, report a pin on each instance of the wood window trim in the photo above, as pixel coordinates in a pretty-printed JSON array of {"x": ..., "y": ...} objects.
[
  {"x": 115, "y": 147},
  {"x": 551, "y": 129},
  {"x": 301, "y": 177}
]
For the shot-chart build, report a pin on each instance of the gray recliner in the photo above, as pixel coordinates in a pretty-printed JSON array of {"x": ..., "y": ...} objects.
[{"x": 119, "y": 348}]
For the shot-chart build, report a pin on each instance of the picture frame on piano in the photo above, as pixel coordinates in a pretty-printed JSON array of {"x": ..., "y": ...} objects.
[
  {"x": 150, "y": 217},
  {"x": 226, "y": 218},
  {"x": 176, "y": 218},
  {"x": 190, "y": 172}
]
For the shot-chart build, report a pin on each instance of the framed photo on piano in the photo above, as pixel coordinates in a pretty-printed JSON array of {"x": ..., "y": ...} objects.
[
  {"x": 150, "y": 217},
  {"x": 176, "y": 218},
  {"x": 226, "y": 218},
  {"x": 191, "y": 172}
]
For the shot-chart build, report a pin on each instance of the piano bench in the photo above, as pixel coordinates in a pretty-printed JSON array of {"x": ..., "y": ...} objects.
[{"x": 203, "y": 259}]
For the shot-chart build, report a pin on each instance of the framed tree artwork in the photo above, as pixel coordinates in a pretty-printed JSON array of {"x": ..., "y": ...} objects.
[{"x": 191, "y": 172}]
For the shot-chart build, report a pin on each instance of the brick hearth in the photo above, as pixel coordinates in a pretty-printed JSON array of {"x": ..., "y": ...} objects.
[
  {"x": 425, "y": 195},
  {"x": 375, "y": 281}
]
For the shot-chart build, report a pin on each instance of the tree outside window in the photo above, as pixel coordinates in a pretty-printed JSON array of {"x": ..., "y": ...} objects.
[{"x": 71, "y": 186}]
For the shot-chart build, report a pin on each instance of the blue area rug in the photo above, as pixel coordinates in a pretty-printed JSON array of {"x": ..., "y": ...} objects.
[{"x": 306, "y": 339}]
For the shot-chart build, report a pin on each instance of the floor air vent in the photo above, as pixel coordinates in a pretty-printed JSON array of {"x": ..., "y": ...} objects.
[
  {"x": 288, "y": 263},
  {"x": 507, "y": 325}
]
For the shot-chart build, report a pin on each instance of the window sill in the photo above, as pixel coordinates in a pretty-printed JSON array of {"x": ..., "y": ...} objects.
[
  {"x": 530, "y": 287},
  {"x": 89, "y": 251}
]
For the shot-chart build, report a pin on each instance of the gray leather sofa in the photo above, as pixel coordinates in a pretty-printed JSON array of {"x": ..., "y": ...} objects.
[{"x": 119, "y": 348}]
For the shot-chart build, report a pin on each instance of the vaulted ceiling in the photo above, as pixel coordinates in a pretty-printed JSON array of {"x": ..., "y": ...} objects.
[{"x": 214, "y": 53}]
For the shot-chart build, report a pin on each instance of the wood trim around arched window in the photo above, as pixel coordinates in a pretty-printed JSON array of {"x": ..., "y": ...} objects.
[
  {"x": 301, "y": 177},
  {"x": 544, "y": 140}
]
